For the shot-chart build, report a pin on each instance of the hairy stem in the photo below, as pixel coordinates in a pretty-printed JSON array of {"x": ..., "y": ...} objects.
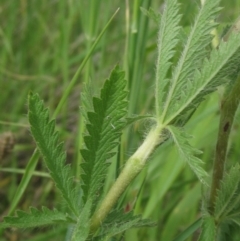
[
  {"x": 229, "y": 107},
  {"x": 133, "y": 166}
]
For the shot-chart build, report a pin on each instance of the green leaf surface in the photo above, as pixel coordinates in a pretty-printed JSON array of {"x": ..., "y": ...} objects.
[
  {"x": 166, "y": 175},
  {"x": 189, "y": 231},
  {"x": 187, "y": 152},
  {"x": 167, "y": 41},
  {"x": 118, "y": 222},
  {"x": 33, "y": 161},
  {"x": 236, "y": 219},
  {"x": 208, "y": 229},
  {"x": 104, "y": 126},
  {"x": 86, "y": 99},
  {"x": 222, "y": 65},
  {"x": 192, "y": 56},
  {"x": 228, "y": 194},
  {"x": 47, "y": 140},
  {"x": 35, "y": 218},
  {"x": 152, "y": 14},
  {"x": 82, "y": 228},
  {"x": 182, "y": 213},
  {"x": 132, "y": 119}
]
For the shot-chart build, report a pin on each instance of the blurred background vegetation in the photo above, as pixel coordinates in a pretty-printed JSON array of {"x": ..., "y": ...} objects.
[{"x": 42, "y": 44}]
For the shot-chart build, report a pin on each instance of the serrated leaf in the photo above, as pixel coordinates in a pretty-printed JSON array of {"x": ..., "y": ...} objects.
[
  {"x": 47, "y": 140},
  {"x": 222, "y": 65},
  {"x": 209, "y": 231},
  {"x": 36, "y": 218},
  {"x": 192, "y": 56},
  {"x": 167, "y": 41},
  {"x": 227, "y": 194},
  {"x": 104, "y": 126},
  {"x": 187, "y": 152},
  {"x": 118, "y": 222}
]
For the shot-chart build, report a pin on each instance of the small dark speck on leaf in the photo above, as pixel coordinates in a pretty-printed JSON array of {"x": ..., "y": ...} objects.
[{"x": 226, "y": 126}]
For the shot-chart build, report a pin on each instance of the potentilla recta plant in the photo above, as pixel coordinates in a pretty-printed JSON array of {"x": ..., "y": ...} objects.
[{"x": 179, "y": 90}]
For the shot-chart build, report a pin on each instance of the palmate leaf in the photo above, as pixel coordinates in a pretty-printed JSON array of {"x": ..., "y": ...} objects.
[
  {"x": 224, "y": 63},
  {"x": 228, "y": 194},
  {"x": 167, "y": 41},
  {"x": 209, "y": 231},
  {"x": 104, "y": 127},
  {"x": 54, "y": 157},
  {"x": 192, "y": 56},
  {"x": 187, "y": 152},
  {"x": 36, "y": 218}
]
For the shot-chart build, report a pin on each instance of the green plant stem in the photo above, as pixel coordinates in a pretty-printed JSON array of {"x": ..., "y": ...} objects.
[
  {"x": 229, "y": 107},
  {"x": 132, "y": 168}
]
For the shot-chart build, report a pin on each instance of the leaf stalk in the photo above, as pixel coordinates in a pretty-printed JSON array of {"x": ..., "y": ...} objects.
[{"x": 132, "y": 168}]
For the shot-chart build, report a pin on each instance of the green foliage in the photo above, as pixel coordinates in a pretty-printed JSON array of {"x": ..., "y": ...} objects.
[
  {"x": 36, "y": 218},
  {"x": 167, "y": 41},
  {"x": 47, "y": 140},
  {"x": 86, "y": 99},
  {"x": 82, "y": 227},
  {"x": 187, "y": 152},
  {"x": 227, "y": 208},
  {"x": 195, "y": 75},
  {"x": 208, "y": 229},
  {"x": 191, "y": 59},
  {"x": 189, "y": 231},
  {"x": 235, "y": 217},
  {"x": 221, "y": 66},
  {"x": 118, "y": 222},
  {"x": 135, "y": 118},
  {"x": 151, "y": 13},
  {"x": 179, "y": 90},
  {"x": 228, "y": 197},
  {"x": 183, "y": 89},
  {"x": 104, "y": 126}
]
